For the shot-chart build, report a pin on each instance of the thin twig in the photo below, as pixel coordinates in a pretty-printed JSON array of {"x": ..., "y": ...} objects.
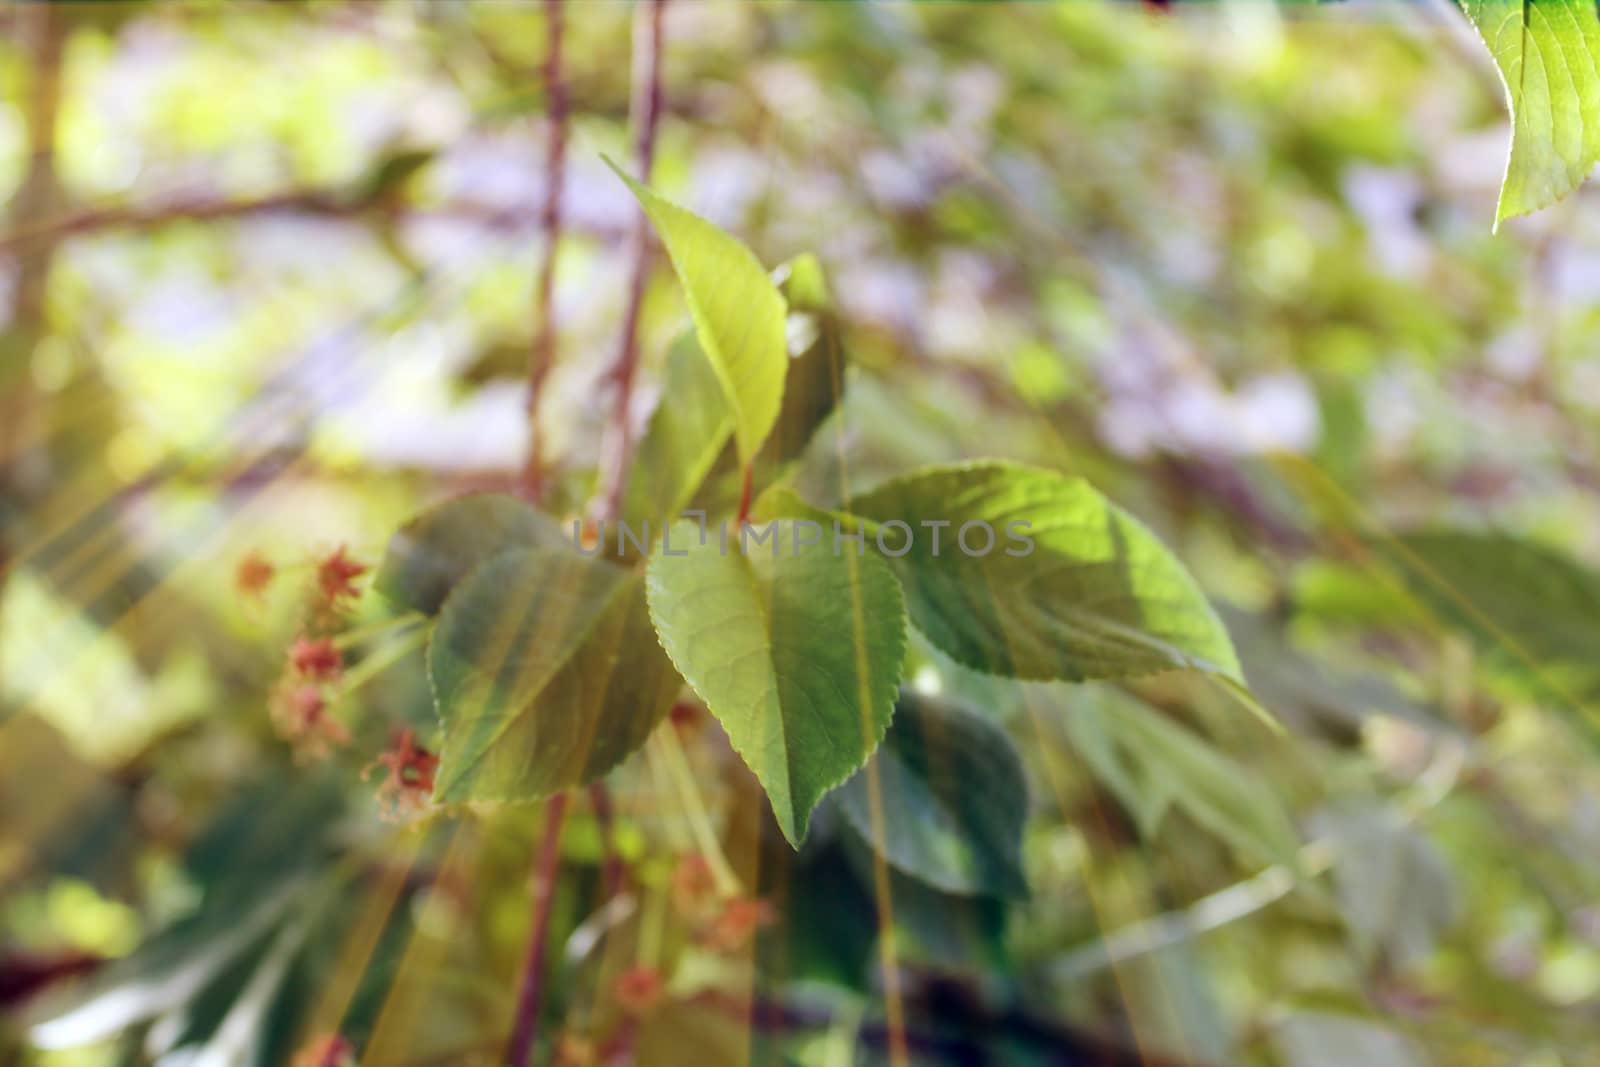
[
  {"x": 617, "y": 448},
  {"x": 612, "y": 871},
  {"x": 542, "y": 357},
  {"x": 1173, "y": 928},
  {"x": 647, "y": 75},
  {"x": 545, "y": 872}
]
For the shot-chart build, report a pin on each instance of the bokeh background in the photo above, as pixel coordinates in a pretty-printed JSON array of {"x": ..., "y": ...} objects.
[{"x": 267, "y": 285}]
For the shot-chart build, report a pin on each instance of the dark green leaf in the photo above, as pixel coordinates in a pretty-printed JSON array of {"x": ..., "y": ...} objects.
[
  {"x": 546, "y": 673},
  {"x": 1096, "y": 595},
  {"x": 688, "y": 429},
  {"x": 1153, "y": 764},
  {"x": 1532, "y": 610},
  {"x": 952, "y": 799},
  {"x": 435, "y": 550}
]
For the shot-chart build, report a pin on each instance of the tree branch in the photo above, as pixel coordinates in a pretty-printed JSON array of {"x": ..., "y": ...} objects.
[
  {"x": 545, "y": 872},
  {"x": 316, "y": 203},
  {"x": 542, "y": 356},
  {"x": 617, "y": 448}
]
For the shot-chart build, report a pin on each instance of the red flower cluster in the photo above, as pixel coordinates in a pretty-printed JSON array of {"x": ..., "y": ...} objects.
[
  {"x": 300, "y": 715},
  {"x": 694, "y": 887},
  {"x": 721, "y": 924},
  {"x": 639, "y": 989},
  {"x": 253, "y": 574},
  {"x": 317, "y": 660},
  {"x": 738, "y": 922},
  {"x": 408, "y": 784},
  {"x": 302, "y": 698},
  {"x": 336, "y": 577}
]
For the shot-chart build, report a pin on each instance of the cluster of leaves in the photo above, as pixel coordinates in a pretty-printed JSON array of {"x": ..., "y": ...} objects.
[{"x": 551, "y": 664}]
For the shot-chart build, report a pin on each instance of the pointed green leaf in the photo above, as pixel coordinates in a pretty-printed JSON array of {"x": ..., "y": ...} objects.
[
  {"x": 1548, "y": 54},
  {"x": 432, "y": 552},
  {"x": 812, "y": 389},
  {"x": 1159, "y": 765},
  {"x": 952, "y": 795},
  {"x": 546, "y": 673},
  {"x": 686, "y": 433},
  {"x": 814, "y": 383},
  {"x": 737, "y": 310},
  {"x": 796, "y": 651},
  {"x": 1395, "y": 888},
  {"x": 1533, "y": 611},
  {"x": 1096, "y": 596}
]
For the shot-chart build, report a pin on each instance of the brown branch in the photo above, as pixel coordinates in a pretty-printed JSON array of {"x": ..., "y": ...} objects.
[
  {"x": 545, "y": 872},
  {"x": 329, "y": 204},
  {"x": 647, "y": 76},
  {"x": 617, "y": 448},
  {"x": 543, "y": 354}
]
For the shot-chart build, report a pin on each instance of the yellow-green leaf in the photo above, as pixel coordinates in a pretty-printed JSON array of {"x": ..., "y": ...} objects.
[
  {"x": 1546, "y": 51},
  {"x": 738, "y": 314}
]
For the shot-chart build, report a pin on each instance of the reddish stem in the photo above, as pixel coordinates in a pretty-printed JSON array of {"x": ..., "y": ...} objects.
[
  {"x": 546, "y": 869},
  {"x": 542, "y": 356},
  {"x": 647, "y": 75},
  {"x": 745, "y": 491},
  {"x": 604, "y": 813},
  {"x": 617, "y": 449}
]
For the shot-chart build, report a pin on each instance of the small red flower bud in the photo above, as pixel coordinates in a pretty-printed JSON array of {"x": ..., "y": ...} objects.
[
  {"x": 300, "y": 714},
  {"x": 253, "y": 574},
  {"x": 738, "y": 922},
  {"x": 694, "y": 887},
  {"x": 316, "y": 659},
  {"x": 638, "y": 989},
  {"x": 409, "y": 781},
  {"x": 336, "y": 576}
]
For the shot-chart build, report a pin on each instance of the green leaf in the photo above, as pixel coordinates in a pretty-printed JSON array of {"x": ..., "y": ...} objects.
[
  {"x": 432, "y": 552},
  {"x": 1546, "y": 52},
  {"x": 946, "y": 931},
  {"x": 795, "y": 649},
  {"x": 1157, "y": 765},
  {"x": 546, "y": 675},
  {"x": 1097, "y": 596},
  {"x": 812, "y": 390},
  {"x": 1534, "y": 611},
  {"x": 814, "y": 384},
  {"x": 738, "y": 314},
  {"x": 1394, "y": 887},
  {"x": 953, "y": 799},
  {"x": 686, "y": 433}
]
